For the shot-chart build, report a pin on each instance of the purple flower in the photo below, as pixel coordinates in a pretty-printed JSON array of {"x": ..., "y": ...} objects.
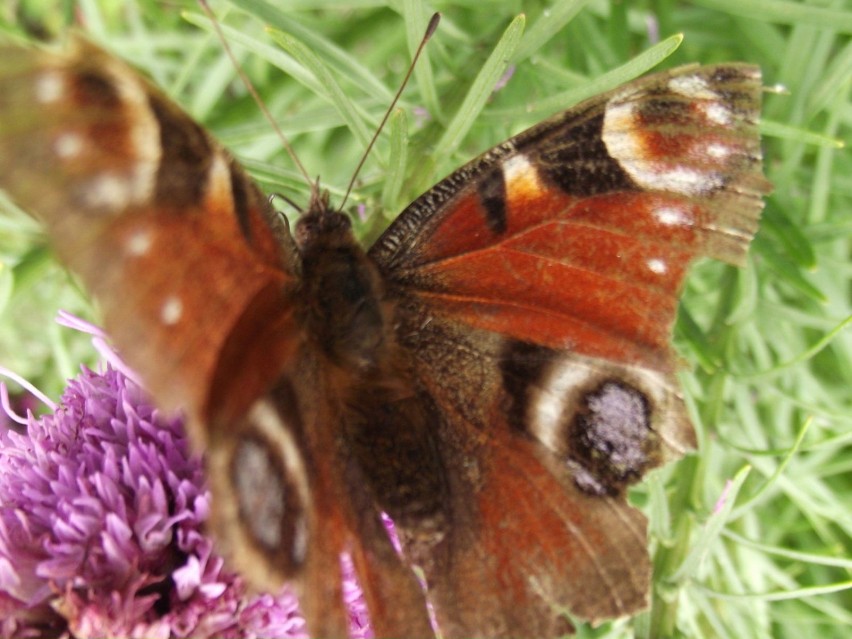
[{"x": 101, "y": 513}]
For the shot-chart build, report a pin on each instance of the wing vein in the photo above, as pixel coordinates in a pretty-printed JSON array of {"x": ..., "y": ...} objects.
[
  {"x": 502, "y": 246},
  {"x": 596, "y": 325}
]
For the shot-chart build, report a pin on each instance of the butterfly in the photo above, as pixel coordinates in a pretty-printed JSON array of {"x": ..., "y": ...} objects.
[{"x": 493, "y": 373}]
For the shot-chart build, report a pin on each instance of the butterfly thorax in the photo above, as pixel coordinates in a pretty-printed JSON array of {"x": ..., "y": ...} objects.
[{"x": 345, "y": 314}]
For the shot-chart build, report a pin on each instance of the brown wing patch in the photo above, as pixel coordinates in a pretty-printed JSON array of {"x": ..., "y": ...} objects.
[
  {"x": 290, "y": 498},
  {"x": 540, "y": 328},
  {"x": 521, "y": 531},
  {"x": 606, "y": 206},
  {"x": 599, "y": 276},
  {"x": 180, "y": 249}
]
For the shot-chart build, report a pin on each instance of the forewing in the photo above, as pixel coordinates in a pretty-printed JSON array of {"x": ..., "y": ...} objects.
[
  {"x": 179, "y": 247},
  {"x": 575, "y": 235},
  {"x": 577, "y": 232},
  {"x": 198, "y": 282}
]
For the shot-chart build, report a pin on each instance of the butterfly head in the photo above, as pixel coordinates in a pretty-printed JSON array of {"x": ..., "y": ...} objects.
[{"x": 323, "y": 226}]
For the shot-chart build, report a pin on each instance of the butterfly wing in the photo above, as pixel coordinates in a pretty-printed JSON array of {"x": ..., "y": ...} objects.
[
  {"x": 178, "y": 246},
  {"x": 535, "y": 291},
  {"x": 292, "y": 498},
  {"x": 198, "y": 281}
]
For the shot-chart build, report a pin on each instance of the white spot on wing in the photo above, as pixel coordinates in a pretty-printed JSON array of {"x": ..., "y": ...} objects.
[
  {"x": 68, "y": 145},
  {"x": 692, "y": 86},
  {"x": 718, "y": 151},
  {"x": 620, "y": 125},
  {"x": 521, "y": 179},
  {"x": 49, "y": 86},
  {"x": 671, "y": 216},
  {"x": 717, "y": 113},
  {"x": 517, "y": 167},
  {"x": 671, "y": 177},
  {"x": 656, "y": 265},
  {"x": 110, "y": 191},
  {"x": 139, "y": 243},
  {"x": 171, "y": 311}
]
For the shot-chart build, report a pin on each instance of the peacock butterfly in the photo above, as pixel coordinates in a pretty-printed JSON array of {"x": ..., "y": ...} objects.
[{"x": 493, "y": 373}]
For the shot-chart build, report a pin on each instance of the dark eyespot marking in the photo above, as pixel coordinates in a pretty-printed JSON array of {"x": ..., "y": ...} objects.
[
  {"x": 95, "y": 91},
  {"x": 522, "y": 365},
  {"x": 581, "y": 164},
  {"x": 261, "y": 491},
  {"x": 492, "y": 195},
  {"x": 268, "y": 481},
  {"x": 611, "y": 437},
  {"x": 185, "y": 163},
  {"x": 239, "y": 191}
]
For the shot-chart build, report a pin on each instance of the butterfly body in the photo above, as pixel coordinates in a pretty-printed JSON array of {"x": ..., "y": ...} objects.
[
  {"x": 344, "y": 290},
  {"x": 493, "y": 373}
]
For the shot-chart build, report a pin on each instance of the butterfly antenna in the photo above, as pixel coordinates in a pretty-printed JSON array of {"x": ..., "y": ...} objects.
[
  {"x": 258, "y": 100},
  {"x": 430, "y": 29}
]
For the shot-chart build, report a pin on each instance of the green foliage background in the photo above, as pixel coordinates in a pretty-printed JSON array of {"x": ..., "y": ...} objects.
[{"x": 751, "y": 535}]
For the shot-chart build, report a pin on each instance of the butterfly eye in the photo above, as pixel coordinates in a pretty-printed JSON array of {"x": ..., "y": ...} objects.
[{"x": 306, "y": 229}]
